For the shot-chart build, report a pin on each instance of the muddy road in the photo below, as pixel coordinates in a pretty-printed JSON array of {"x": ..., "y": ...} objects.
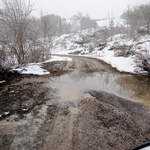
[{"x": 84, "y": 104}]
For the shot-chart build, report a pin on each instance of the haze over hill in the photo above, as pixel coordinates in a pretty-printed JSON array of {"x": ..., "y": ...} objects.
[{"x": 96, "y": 9}]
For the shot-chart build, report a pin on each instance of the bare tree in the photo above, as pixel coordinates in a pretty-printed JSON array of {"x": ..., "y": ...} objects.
[
  {"x": 138, "y": 18},
  {"x": 48, "y": 28},
  {"x": 16, "y": 32},
  {"x": 132, "y": 16},
  {"x": 145, "y": 9},
  {"x": 76, "y": 20}
]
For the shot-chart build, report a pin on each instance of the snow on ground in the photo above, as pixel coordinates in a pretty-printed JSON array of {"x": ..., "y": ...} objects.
[
  {"x": 69, "y": 43},
  {"x": 58, "y": 58},
  {"x": 121, "y": 63},
  {"x": 109, "y": 51},
  {"x": 2, "y": 81},
  {"x": 106, "y": 22},
  {"x": 5, "y": 114},
  {"x": 32, "y": 68},
  {"x": 36, "y": 68},
  {"x": 146, "y": 148}
]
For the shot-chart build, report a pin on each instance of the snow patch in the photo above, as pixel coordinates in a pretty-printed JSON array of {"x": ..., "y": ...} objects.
[
  {"x": 146, "y": 148},
  {"x": 2, "y": 81},
  {"x": 12, "y": 91},
  {"x": 58, "y": 58},
  {"x": 36, "y": 68},
  {"x": 106, "y": 22},
  {"x": 24, "y": 109},
  {"x": 6, "y": 113},
  {"x": 33, "y": 68}
]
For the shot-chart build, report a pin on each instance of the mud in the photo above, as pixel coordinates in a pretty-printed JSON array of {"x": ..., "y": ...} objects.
[
  {"x": 7, "y": 77},
  {"x": 111, "y": 123},
  {"x": 83, "y": 104}
]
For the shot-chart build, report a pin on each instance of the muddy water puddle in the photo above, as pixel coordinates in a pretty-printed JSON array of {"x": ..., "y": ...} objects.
[
  {"x": 74, "y": 87},
  {"x": 139, "y": 85}
]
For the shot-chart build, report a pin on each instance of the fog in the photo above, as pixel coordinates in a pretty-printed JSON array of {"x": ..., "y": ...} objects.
[{"x": 96, "y": 9}]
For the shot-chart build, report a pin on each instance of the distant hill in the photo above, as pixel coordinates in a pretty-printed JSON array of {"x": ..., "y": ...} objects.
[{"x": 106, "y": 22}]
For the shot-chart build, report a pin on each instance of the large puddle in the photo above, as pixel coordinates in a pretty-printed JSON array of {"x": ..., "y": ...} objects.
[{"x": 74, "y": 87}]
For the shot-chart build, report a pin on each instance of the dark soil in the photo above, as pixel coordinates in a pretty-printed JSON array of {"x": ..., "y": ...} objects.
[
  {"x": 21, "y": 99},
  {"x": 56, "y": 68},
  {"x": 8, "y": 76},
  {"x": 112, "y": 123}
]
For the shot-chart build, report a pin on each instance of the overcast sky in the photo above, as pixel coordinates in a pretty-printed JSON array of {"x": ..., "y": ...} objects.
[{"x": 94, "y": 8}]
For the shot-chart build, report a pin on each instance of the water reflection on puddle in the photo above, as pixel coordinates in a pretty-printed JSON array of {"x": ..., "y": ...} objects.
[
  {"x": 72, "y": 87},
  {"x": 140, "y": 85}
]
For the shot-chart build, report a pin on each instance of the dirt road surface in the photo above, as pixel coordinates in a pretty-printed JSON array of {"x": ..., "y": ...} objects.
[{"x": 82, "y": 105}]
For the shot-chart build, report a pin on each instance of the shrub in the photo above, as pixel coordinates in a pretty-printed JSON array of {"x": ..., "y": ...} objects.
[
  {"x": 143, "y": 61},
  {"x": 123, "y": 50},
  {"x": 91, "y": 48}
]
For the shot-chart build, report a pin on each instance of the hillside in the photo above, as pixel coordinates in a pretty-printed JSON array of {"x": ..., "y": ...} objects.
[
  {"x": 121, "y": 51},
  {"x": 105, "y": 22}
]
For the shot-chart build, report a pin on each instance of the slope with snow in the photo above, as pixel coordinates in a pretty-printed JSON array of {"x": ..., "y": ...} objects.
[
  {"x": 106, "y": 22},
  {"x": 87, "y": 43}
]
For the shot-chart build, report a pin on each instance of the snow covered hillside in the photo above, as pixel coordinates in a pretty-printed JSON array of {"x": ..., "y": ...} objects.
[
  {"x": 106, "y": 22},
  {"x": 120, "y": 51}
]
